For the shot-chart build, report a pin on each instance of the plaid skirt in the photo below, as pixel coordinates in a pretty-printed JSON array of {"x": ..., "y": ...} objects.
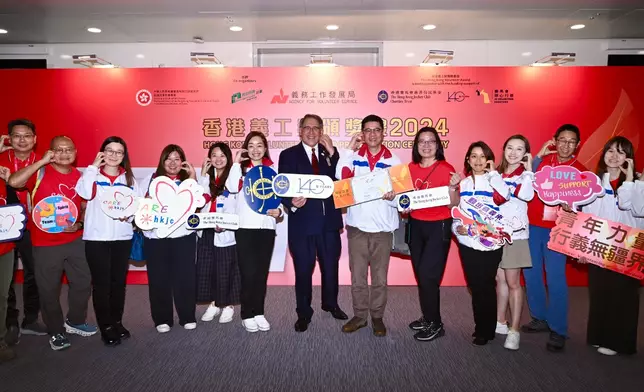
[{"x": 218, "y": 277}]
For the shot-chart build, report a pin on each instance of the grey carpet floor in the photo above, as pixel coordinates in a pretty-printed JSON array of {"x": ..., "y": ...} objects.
[{"x": 217, "y": 357}]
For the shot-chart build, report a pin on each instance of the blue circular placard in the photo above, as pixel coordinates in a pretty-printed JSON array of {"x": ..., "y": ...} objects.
[
  {"x": 258, "y": 189},
  {"x": 193, "y": 221}
]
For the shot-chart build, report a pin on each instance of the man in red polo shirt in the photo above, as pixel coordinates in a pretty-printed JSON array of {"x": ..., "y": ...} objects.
[
  {"x": 549, "y": 311},
  {"x": 17, "y": 154},
  {"x": 55, "y": 253},
  {"x": 6, "y": 268}
]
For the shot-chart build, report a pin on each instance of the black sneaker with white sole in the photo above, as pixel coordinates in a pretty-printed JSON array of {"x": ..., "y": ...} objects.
[
  {"x": 430, "y": 332},
  {"x": 419, "y": 324},
  {"x": 59, "y": 342}
]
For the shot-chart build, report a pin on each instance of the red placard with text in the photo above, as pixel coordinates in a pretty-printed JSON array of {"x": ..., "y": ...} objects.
[
  {"x": 194, "y": 107},
  {"x": 607, "y": 244}
]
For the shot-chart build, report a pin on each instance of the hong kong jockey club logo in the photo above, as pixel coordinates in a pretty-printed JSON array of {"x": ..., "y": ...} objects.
[
  {"x": 383, "y": 96},
  {"x": 143, "y": 97}
]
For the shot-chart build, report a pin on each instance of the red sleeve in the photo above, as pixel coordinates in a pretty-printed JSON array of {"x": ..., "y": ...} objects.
[
  {"x": 346, "y": 173},
  {"x": 498, "y": 198},
  {"x": 31, "y": 182}
]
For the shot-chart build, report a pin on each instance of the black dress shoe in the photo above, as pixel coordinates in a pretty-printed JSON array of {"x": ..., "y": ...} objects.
[
  {"x": 302, "y": 324},
  {"x": 337, "y": 313},
  {"x": 122, "y": 332},
  {"x": 110, "y": 337},
  {"x": 479, "y": 341}
]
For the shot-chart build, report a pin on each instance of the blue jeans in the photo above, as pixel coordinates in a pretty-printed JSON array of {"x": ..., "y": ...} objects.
[{"x": 554, "y": 309}]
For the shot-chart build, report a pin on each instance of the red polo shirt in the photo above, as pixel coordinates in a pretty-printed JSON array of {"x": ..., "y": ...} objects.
[{"x": 442, "y": 172}]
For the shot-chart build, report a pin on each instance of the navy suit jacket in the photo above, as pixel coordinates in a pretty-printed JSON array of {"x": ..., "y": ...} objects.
[{"x": 311, "y": 219}]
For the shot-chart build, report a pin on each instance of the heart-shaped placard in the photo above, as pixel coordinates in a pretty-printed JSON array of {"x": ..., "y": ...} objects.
[
  {"x": 169, "y": 205},
  {"x": 118, "y": 202},
  {"x": 12, "y": 222}
]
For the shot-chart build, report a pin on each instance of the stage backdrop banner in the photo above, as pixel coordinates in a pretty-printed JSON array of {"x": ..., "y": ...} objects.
[{"x": 195, "y": 107}]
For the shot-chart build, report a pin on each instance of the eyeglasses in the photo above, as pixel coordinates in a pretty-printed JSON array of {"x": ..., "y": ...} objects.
[
  {"x": 311, "y": 129},
  {"x": 64, "y": 151},
  {"x": 427, "y": 142},
  {"x": 372, "y": 130},
  {"x": 563, "y": 142},
  {"x": 23, "y": 137},
  {"x": 113, "y": 152}
]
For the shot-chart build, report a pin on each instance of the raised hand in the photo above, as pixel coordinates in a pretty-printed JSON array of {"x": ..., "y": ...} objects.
[
  {"x": 490, "y": 166},
  {"x": 49, "y": 157},
  {"x": 528, "y": 161},
  {"x": 187, "y": 166},
  {"x": 629, "y": 170},
  {"x": 3, "y": 146},
  {"x": 455, "y": 179},
  {"x": 356, "y": 142},
  {"x": 545, "y": 150},
  {"x": 5, "y": 173},
  {"x": 99, "y": 161},
  {"x": 327, "y": 143},
  {"x": 207, "y": 164},
  {"x": 239, "y": 158}
]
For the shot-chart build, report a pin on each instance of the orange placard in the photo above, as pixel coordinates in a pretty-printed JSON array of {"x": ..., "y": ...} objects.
[{"x": 400, "y": 180}]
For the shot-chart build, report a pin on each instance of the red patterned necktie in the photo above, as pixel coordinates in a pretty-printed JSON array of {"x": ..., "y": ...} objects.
[{"x": 314, "y": 162}]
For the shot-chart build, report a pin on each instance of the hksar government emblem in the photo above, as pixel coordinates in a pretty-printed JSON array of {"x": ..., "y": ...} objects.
[{"x": 258, "y": 189}]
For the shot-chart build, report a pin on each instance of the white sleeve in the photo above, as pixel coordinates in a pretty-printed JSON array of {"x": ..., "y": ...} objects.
[
  {"x": 497, "y": 183},
  {"x": 630, "y": 196},
  {"x": 205, "y": 183},
  {"x": 346, "y": 160},
  {"x": 526, "y": 192},
  {"x": 234, "y": 175},
  {"x": 85, "y": 184}
]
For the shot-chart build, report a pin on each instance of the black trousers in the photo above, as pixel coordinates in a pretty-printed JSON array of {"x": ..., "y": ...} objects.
[
  {"x": 429, "y": 245},
  {"x": 108, "y": 262},
  {"x": 614, "y": 309},
  {"x": 172, "y": 275},
  {"x": 30, "y": 298},
  {"x": 480, "y": 269},
  {"x": 254, "y": 253},
  {"x": 326, "y": 248}
]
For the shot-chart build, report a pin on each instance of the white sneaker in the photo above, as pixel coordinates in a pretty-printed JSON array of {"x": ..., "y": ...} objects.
[
  {"x": 163, "y": 328},
  {"x": 227, "y": 315},
  {"x": 250, "y": 325},
  {"x": 262, "y": 323},
  {"x": 502, "y": 329},
  {"x": 211, "y": 313},
  {"x": 512, "y": 341},
  {"x": 190, "y": 326},
  {"x": 606, "y": 351}
]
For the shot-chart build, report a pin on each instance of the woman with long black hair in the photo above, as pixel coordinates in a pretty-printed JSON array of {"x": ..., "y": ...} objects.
[
  {"x": 171, "y": 260},
  {"x": 218, "y": 279},
  {"x": 614, "y": 297}
]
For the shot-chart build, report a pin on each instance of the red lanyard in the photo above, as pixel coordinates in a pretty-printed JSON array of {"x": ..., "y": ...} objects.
[{"x": 30, "y": 160}]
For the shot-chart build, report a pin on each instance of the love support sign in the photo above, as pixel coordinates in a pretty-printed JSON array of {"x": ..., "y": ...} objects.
[{"x": 567, "y": 185}]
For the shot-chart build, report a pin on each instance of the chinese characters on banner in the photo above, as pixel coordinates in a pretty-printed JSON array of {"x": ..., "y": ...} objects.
[
  {"x": 484, "y": 222},
  {"x": 604, "y": 243}
]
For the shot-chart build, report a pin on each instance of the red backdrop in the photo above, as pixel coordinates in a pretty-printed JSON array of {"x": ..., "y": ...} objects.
[{"x": 151, "y": 108}]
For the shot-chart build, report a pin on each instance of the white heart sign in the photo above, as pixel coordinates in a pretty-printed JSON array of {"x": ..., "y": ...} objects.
[
  {"x": 118, "y": 202},
  {"x": 12, "y": 222},
  {"x": 169, "y": 205}
]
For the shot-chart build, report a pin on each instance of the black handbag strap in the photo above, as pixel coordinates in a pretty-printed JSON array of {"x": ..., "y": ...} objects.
[{"x": 430, "y": 173}]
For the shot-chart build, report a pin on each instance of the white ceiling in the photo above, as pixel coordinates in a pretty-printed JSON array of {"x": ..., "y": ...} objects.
[{"x": 66, "y": 21}]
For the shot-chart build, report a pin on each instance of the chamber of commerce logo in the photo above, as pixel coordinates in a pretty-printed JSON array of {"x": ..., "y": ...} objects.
[
  {"x": 500, "y": 96},
  {"x": 143, "y": 97},
  {"x": 457, "y": 96},
  {"x": 245, "y": 96},
  {"x": 281, "y": 98},
  {"x": 383, "y": 96}
]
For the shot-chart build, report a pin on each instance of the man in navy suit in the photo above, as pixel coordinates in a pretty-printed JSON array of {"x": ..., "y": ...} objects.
[{"x": 313, "y": 225}]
